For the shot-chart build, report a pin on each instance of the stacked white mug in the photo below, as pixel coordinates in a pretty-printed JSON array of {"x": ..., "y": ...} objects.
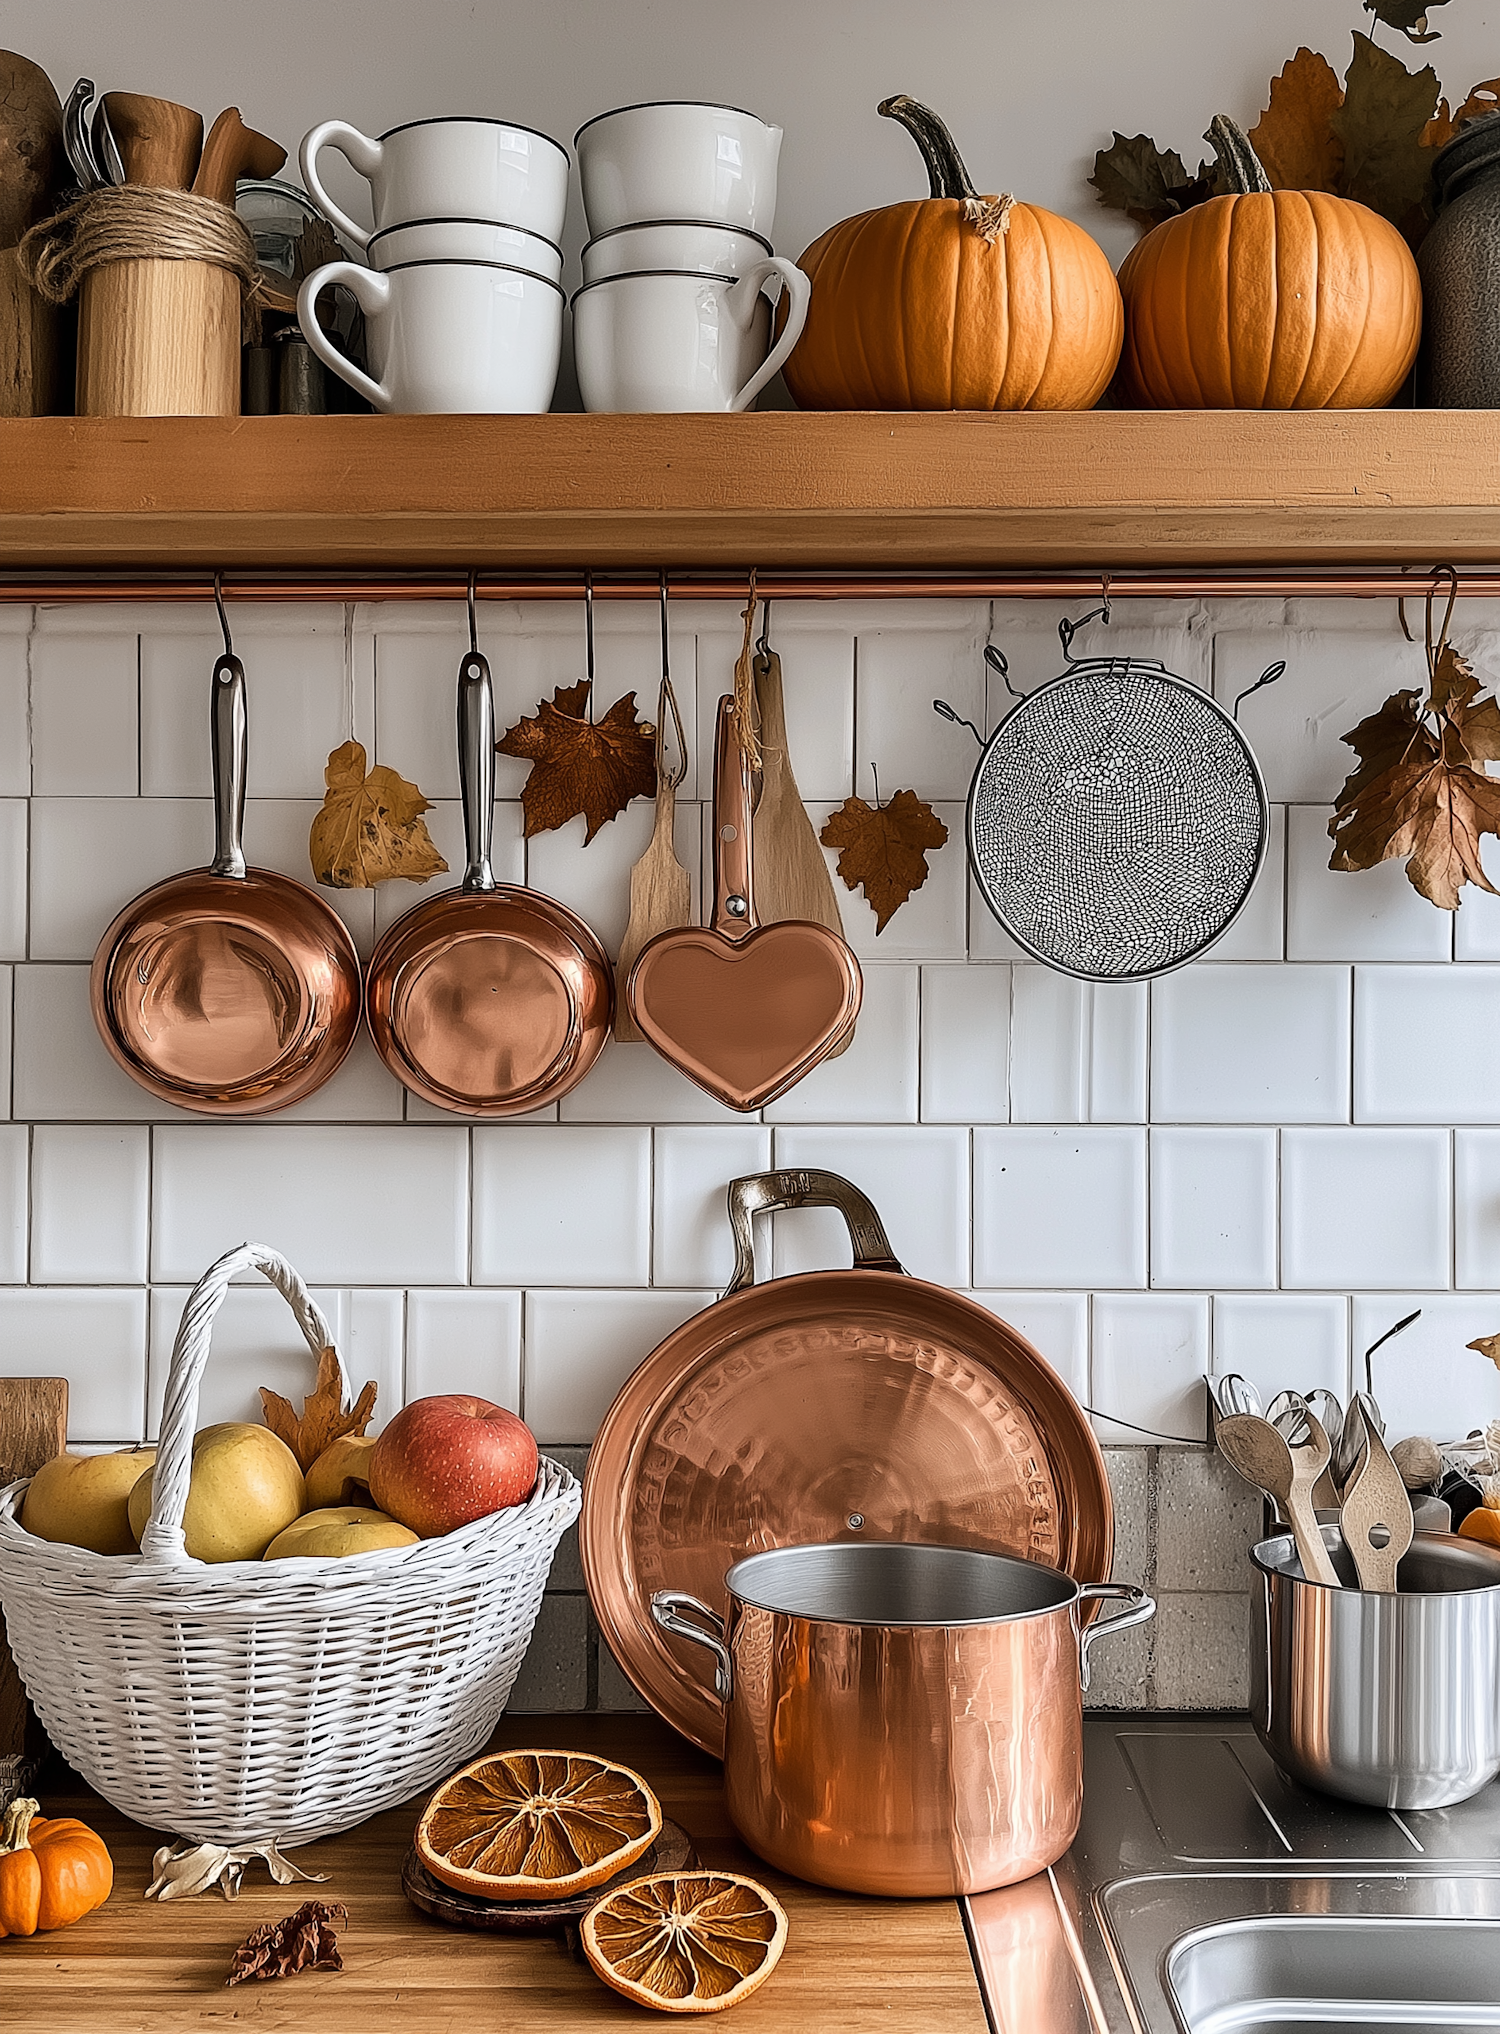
[
  {"x": 673, "y": 313},
  {"x": 462, "y": 301}
]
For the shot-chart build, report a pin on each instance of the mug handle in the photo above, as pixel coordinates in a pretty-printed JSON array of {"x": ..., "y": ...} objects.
[
  {"x": 357, "y": 149},
  {"x": 372, "y": 291},
  {"x": 741, "y": 305},
  {"x": 667, "y": 1606}
]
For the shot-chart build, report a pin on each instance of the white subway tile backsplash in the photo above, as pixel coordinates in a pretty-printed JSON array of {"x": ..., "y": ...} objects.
[
  {"x": 1151, "y": 1354},
  {"x": 874, "y": 1079},
  {"x": 691, "y": 1240},
  {"x": 13, "y": 830},
  {"x": 97, "y": 1340},
  {"x": 899, "y": 674},
  {"x": 561, "y": 1205},
  {"x": 1476, "y": 1213},
  {"x": 1365, "y": 1208},
  {"x": 930, "y": 925},
  {"x": 1283, "y": 1341},
  {"x": 1370, "y": 915},
  {"x": 84, "y": 733},
  {"x": 1060, "y": 1207},
  {"x": 89, "y": 1192},
  {"x": 15, "y": 732},
  {"x": 634, "y": 1084},
  {"x": 384, "y": 1206},
  {"x": 62, "y": 1072},
  {"x": 297, "y": 709},
  {"x": 1259, "y": 933},
  {"x": 594, "y": 880},
  {"x": 1213, "y": 1208},
  {"x": 1332, "y": 681},
  {"x": 1426, "y": 1380},
  {"x": 1417, "y": 1057},
  {"x": 1237, "y": 1044},
  {"x": 126, "y": 843},
  {"x": 1077, "y": 1049},
  {"x": 465, "y": 1342},
  {"x": 988, "y": 940},
  {"x": 965, "y": 1043},
  {"x": 1056, "y": 1323},
  {"x": 14, "y": 1141},
  {"x": 581, "y": 1347},
  {"x": 362, "y": 1091},
  {"x": 918, "y": 1180}
]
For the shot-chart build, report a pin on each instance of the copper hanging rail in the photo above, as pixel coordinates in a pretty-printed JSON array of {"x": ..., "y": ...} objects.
[{"x": 1264, "y": 582}]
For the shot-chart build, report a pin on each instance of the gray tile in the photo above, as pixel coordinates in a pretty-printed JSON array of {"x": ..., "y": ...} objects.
[
  {"x": 1131, "y": 1475},
  {"x": 1201, "y": 1652},
  {"x": 615, "y": 1691},
  {"x": 567, "y": 1568},
  {"x": 555, "y": 1673},
  {"x": 1207, "y": 1519},
  {"x": 1120, "y": 1670}
]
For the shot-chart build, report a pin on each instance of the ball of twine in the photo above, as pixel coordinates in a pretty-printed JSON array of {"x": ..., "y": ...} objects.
[{"x": 133, "y": 222}]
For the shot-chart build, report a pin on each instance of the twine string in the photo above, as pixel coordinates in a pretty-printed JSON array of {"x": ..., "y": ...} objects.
[{"x": 133, "y": 222}]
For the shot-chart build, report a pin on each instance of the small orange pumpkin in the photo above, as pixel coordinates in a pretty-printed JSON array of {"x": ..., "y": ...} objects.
[
  {"x": 955, "y": 302},
  {"x": 52, "y": 1873},
  {"x": 1268, "y": 300}
]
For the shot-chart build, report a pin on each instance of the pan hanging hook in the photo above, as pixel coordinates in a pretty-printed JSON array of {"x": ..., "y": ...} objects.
[
  {"x": 223, "y": 617},
  {"x": 588, "y": 636},
  {"x": 667, "y": 704},
  {"x": 473, "y": 627},
  {"x": 763, "y": 643},
  {"x": 1067, "y": 630}
]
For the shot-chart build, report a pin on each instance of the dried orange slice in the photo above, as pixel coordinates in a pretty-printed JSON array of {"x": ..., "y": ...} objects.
[
  {"x": 686, "y": 1942},
  {"x": 536, "y": 1825}
]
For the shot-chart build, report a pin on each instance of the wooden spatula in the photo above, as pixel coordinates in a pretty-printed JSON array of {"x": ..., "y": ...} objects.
[
  {"x": 1377, "y": 1516},
  {"x": 160, "y": 142},
  {"x": 661, "y": 893},
  {"x": 33, "y": 1428},
  {"x": 232, "y": 151}
]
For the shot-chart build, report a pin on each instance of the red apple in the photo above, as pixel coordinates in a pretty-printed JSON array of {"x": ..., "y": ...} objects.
[{"x": 444, "y": 1461}]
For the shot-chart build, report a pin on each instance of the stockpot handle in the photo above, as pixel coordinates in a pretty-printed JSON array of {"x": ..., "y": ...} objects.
[
  {"x": 1141, "y": 1609},
  {"x": 667, "y": 1607},
  {"x": 769, "y": 1193}
]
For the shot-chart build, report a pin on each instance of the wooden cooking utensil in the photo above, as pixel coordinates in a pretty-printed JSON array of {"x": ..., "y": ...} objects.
[
  {"x": 33, "y": 1428},
  {"x": 1377, "y": 1516},
  {"x": 159, "y": 141},
  {"x": 1263, "y": 1456},
  {"x": 745, "y": 1010},
  {"x": 661, "y": 891},
  {"x": 31, "y": 157},
  {"x": 232, "y": 151}
]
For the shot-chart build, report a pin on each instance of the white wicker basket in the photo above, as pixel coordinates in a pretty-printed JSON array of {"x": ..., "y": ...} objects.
[{"x": 271, "y": 1699}]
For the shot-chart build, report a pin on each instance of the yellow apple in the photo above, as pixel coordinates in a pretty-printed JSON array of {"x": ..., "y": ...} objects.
[
  {"x": 338, "y": 1530},
  {"x": 244, "y": 1487},
  {"x": 341, "y": 1474},
  {"x": 81, "y": 1500}
]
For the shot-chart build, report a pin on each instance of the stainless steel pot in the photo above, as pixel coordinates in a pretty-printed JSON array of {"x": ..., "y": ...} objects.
[
  {"x": 1389, "y": 1700},
  {"x": 902, "y": 1719}
]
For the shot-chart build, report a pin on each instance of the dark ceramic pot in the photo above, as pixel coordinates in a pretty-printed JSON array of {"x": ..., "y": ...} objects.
[{"x": 1459, "y": 261}]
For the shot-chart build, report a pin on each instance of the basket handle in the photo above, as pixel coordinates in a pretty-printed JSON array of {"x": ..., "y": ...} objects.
[{"x": 163, "y": 1538}]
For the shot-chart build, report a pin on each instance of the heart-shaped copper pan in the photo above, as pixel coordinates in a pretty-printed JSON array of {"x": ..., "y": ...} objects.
[{"x": 743, "y": 1010}]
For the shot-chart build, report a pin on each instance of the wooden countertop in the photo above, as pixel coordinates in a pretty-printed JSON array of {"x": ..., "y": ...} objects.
[{"x": 139, "y": 1968}]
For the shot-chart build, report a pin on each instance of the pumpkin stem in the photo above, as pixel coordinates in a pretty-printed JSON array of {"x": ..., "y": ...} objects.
[
  {"x": 1240, "y": 167},
  {"x": 15, "y": 1835},
  {"x": 945, "y": 166}
]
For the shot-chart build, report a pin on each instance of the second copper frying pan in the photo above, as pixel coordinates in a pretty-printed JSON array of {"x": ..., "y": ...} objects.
[{"x": 489, "y": 1000}]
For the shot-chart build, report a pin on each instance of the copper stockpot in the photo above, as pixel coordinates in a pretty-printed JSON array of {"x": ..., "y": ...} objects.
[{"x": 902, "y": 1719}]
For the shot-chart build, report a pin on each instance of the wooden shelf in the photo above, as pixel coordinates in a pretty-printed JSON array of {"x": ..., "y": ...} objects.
[{"x": 781, "y": 490}]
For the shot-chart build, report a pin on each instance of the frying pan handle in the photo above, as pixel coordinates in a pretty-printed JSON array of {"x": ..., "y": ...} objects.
[
  {"x": 734, "y": 897},
  {"x": 476, "y": 768},
  {"x": 228, "y": 735},
  {"x": 769, "y": 1193},
  {"x": 1140, "y": 1607},
  {"x": 667, "y": 1607}
]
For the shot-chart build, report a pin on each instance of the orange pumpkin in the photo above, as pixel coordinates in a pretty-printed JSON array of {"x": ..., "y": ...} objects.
[
  {"x": 51, "y": 1873},
  {"x": 1268, "y": 300},
  {"x": 955, "y": 302}
]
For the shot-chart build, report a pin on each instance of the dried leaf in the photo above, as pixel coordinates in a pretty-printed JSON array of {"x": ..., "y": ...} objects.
[
  {"x": 1134, "y": 176},
  {"x": 184, "y": 1869},
  {"x": 1298, "y": 149},
  {"x": 884, "y": 848},
  {"x": 578, "y": 767},
  {"x": 1487, "y": 1345},
  {"x": 1381, "y": 123},
  {"x": 306, "y": 1940},
  {"x": 1483, "y": 98},
  {"x": 322, "y": 1419},
  {"x": 370, "y": 828},
  {"x": 1409, "y": 16}
]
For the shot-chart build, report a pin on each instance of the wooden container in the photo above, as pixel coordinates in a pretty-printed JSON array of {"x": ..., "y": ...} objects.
[
  {"x": 159, "y": 339},
  {"x": 29, "y": 344}
]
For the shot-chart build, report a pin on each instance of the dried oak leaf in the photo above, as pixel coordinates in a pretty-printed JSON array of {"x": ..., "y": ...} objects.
[
  {"x": 1385, "y": 113},
  {"x": 306, "y": 1940},
  {"x": 1487, "y": 1345},
  {"x": 1423, "y": 792},
  {"x": 370, "y": 828},
  {"x": 322, "y": 1419},
  {"x": 1483, "y": 98},
  {"x": 1408, "y": 16},
  {"x": 595, "y": 768},
  {"x": 1147, "y": 183},
  {"x": 884, "y": 848},
  {"x": 1298, "y": 149}
]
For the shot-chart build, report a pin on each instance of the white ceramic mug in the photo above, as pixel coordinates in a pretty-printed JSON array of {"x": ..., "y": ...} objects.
[
  {"x": 465, "y": 240},
  {"x": 675, "y": 341},
  {"x": 446, "y": 337},
  {"x": 697, "y": 244},
  {"x": 678, "y": 161},
  {"x": 445, "y": 169}
]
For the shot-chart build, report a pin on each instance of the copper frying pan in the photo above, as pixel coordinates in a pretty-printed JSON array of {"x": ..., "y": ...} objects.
[
  {"x": 489, "y": 1000},
  {"x": 230, "y": 991},
  {"x": 745, "y": 1010}
]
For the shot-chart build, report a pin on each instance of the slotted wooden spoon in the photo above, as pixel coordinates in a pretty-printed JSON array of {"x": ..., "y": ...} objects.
[{"x": 661, "y": 892}]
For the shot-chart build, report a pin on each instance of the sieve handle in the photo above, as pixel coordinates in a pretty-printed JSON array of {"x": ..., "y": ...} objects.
[{"x": 769, "y": 1193}]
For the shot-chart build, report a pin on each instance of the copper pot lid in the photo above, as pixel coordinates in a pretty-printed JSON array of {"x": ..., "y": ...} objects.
[{"x": 855, "y": 1405}]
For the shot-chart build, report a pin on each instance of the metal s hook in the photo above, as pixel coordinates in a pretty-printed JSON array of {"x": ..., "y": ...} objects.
[
  {"x": 1267, "y": 677},
  {"x": 223, "y": 617},
  {"x": 1104, "y": 584},
  {"x": 763, "y": 643},
  {"x": 473, "y": 628},
  {"x": 588, "y": 636},
  {"x": 666, "y": 703},
  {"x": 1067, "y": 630},
  {"x": 1449, "y": 573}
]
